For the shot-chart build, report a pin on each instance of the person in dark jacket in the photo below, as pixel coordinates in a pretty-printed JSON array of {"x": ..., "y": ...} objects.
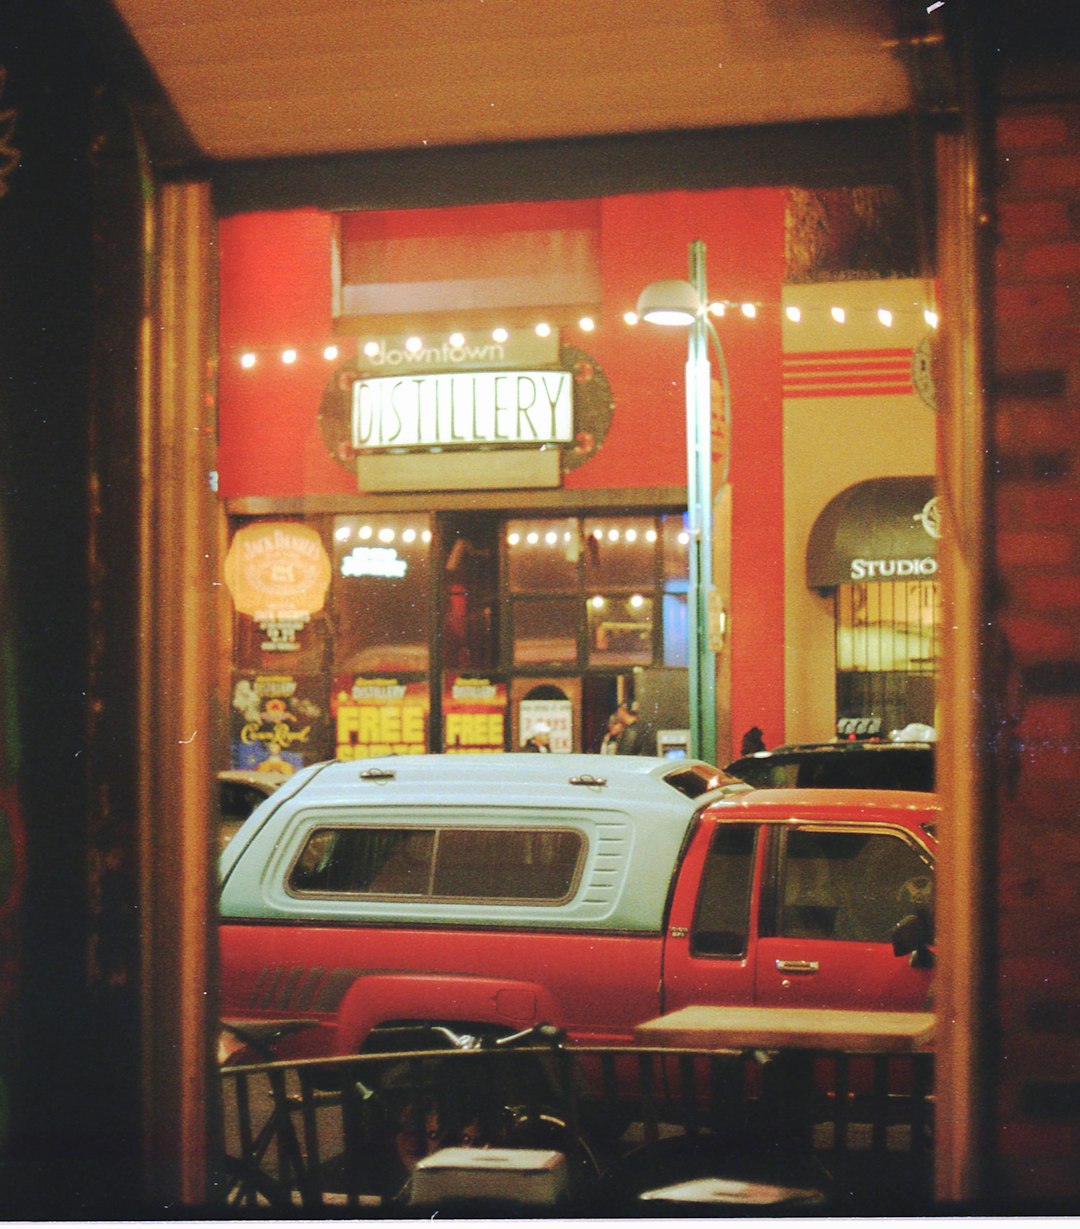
[
  {"x": 632, "y": 736},
  {"x": 753, "y": 740},
  {"x": 609, "y": 744}
]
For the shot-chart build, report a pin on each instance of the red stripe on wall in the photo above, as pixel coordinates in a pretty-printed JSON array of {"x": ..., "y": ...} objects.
[
  {"x": 895, "y": 352},
  {"x": 799, "y": 369},
  {"x": 848, "y": 373},
  {"x": 843, "y": 377},
  {"x": 862, "y": 390}
]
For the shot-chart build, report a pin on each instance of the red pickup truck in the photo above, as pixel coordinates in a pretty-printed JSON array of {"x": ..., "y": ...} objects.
[{"x": 495, "y": 892}]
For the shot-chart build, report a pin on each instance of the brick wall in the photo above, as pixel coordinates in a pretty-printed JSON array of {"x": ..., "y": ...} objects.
[{"x": 1035, "y": 486}]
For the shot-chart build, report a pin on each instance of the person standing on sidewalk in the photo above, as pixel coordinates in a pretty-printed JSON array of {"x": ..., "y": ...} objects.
[
  {"x": 631, "y": 739},
  {"x": 609, "y": 744},
  {"x": 539, "y": 739}
]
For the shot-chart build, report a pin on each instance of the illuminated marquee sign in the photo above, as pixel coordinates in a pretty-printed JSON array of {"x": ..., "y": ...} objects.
[
  {"x": 892, "y": 569},
  {"x": 374, "y": 561},
  {"x": 463, "y": 409}
]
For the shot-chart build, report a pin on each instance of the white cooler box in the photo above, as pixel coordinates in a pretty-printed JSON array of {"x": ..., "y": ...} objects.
[{"x": 519, "y": 1175}]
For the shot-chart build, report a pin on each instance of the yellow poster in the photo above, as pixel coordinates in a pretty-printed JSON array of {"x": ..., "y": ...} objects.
[
  {"x": 474, "y": 715},
  {"x": 376, "y": 716}
]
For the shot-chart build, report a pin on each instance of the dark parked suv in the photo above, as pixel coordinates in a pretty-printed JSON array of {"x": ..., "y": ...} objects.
[{"x": 859, "y": 763}]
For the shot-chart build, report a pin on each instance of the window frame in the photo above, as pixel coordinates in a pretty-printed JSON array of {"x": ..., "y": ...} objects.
[
  {"x": 875, "y": 624},
  {"x": 772, "y": 906},
  {"x": 755, "y": 831},
  {"x": 430, "y": 897},
  {"x": 347, "y": 642},
  {"x": 580, "y": 593},
  {"x": 776, "y": 853}
]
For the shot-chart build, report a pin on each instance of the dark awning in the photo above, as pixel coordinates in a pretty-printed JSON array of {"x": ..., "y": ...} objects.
[{"x": 880, "y": 529}]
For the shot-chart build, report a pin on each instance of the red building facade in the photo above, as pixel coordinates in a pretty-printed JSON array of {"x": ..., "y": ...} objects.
[{"x": 487, "y": 624}]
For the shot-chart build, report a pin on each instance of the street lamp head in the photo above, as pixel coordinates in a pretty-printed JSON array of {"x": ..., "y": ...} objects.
[{"x": 669, "y": 302}]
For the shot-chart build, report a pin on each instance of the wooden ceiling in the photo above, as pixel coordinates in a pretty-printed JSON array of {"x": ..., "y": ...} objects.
[{"x": 255, "y": 79}]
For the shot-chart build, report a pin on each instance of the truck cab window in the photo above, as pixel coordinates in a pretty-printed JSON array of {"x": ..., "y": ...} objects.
[
  {"x": 722, "y": 915},
  {"x": 852, "y": 886}
]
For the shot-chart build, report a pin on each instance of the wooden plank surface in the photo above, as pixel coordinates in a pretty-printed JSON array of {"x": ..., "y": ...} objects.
[{"x": 789, "y": 1028}]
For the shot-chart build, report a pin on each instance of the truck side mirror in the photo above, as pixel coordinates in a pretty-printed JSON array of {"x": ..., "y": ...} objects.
[{"x": 912, "y": 935}]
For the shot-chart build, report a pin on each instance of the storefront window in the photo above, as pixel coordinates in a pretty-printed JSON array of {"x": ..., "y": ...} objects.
[
  {"x": 620, "y": 551},
  {"x": 887, "y": 647},
  {"x": 676, "y": 553},
  {"x": 676, "y": 586},
  {"x": 620, "y": 630},
  {"x": 542, "y": 555},
  {"x": 335, "y": 657},
  {"x": 545, "y": 631},
  {"x": 469, "y": 637},
  {"x": 381, "y": 593},
  {"x": 274, "y": 643},
  {"x": 277, "y": 571},
  {"x": 612, "y": 567},
  {"x": 676, "y": 630}
]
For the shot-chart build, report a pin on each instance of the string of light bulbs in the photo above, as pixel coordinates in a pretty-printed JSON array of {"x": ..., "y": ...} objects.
[{"x": 250, "y": 357}]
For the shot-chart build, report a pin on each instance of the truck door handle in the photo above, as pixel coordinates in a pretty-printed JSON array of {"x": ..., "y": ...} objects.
[{"x": 797, "y": 966}]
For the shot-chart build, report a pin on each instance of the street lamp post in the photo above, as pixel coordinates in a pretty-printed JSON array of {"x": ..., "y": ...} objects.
[{"x": 686, "y": 303}]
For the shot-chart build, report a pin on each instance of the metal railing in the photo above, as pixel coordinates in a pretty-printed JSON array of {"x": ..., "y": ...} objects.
[{"x": 853, "y": 1132}]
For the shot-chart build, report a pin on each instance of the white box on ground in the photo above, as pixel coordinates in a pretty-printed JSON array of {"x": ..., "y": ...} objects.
[
  {"x": 734, "y": 1191},
  {"x": 520, "y": 1175}
]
